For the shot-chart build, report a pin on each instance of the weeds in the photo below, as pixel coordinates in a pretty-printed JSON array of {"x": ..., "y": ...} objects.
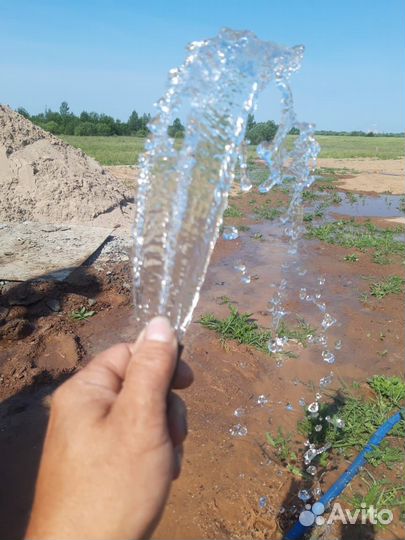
[
  {"x": 281, "y": 443},
  {"x": 239, "y": 327},
  {"x": 392, "y": 285},
  {"x": 232, "y": 212},
  {"x": 267, "y": 213},
  {"x": 82, "y": 314},
  {"x": 362, "y": 236},
  {"x": 243, "y": 329},
  {"x": 361, "y": 418},
  {"x": 351, "y": 258}
]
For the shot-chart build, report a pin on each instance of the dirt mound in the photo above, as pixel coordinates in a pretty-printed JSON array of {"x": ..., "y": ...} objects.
[{"x": 46, "y": 180}]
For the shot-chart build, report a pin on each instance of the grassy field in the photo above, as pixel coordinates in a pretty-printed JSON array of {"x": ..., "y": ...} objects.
[{"x": 125, "y": 150}]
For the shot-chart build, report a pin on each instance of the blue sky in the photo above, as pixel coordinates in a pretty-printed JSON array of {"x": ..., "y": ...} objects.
[{"x": 113, "y": 56}]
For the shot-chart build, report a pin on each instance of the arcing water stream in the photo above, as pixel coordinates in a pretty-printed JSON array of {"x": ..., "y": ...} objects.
[{"x": 183, "y": 191}]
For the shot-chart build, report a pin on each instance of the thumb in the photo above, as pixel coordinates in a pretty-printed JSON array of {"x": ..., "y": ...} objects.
[{"x": 149, "y": 372}]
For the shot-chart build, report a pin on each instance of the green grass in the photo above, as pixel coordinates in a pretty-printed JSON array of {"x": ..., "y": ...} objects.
[
  {"x": 82, "y": 314},
  {"x": 362, "y": 236},
  {"x": 391, "y": 285},
  {"x": 351, "y": 258},
  {"x": 264, "y": 212},
  {"x": 109, "y": 150},
  {"x": 232, "y": 212},
  {"x": 126, "y": 150},
  {"x": 362, "y": 417},
  {"x": 241, "y": 328}
]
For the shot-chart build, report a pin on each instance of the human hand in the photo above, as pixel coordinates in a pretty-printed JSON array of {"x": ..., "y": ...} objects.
[{"x": 114, "y": 443}]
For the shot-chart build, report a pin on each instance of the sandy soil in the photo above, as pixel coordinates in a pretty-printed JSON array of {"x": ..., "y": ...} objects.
[
  {"x": 370, "y": 175},
  {"x": 223, "y": 477}
]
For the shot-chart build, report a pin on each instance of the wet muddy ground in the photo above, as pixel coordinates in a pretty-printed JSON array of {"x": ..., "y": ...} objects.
[{"x": 220, "y": 493}]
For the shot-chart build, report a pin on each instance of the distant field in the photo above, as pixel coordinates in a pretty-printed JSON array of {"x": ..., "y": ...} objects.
[{"x": 126, "y": 150}]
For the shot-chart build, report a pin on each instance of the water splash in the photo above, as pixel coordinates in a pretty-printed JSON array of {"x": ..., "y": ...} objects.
[{"x": 183, "y": 191}]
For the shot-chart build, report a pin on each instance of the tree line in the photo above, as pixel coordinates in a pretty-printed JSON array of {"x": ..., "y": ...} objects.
[{"x": 65, "y": 122}]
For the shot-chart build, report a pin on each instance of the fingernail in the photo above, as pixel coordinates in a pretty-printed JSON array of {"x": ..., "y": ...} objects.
[{"x": 159, "y": 329}]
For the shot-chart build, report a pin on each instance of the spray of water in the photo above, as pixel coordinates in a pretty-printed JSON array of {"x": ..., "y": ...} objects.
[{"x": 183, "y": 190}]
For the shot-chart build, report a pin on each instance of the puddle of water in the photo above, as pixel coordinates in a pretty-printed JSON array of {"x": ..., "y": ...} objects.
[{"x": 367, "y": 206}]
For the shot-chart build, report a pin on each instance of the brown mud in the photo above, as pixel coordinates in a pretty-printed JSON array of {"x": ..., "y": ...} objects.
[{"x": 223, "y": 476}]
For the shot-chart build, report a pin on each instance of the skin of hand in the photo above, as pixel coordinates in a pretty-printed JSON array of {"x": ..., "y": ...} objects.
[{"x": 113, "y": 443}]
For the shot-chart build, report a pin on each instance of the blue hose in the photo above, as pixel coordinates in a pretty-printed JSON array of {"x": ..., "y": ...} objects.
[{"x": 298, "y": 530}]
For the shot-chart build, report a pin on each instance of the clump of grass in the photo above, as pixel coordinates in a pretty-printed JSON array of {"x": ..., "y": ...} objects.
[
  {"x": 351, "y": 258},
  {"x": 82, "y": 314},
  {"x": 392, "y": 285},
  {"x": 265, "y": 212},
  {"x": 243, "y": 329},
  {"x": 243, "y": 228},
  {"x": 308, "y": 195},
  {"x": 362, "y": 236},
  {"x": 362, "y": 417},
  {"x": 239, "y": 327},
  {"x": 282, "y": 445},
  {"x": 379, "y": 494},
  {"x": 233, "y": 212},
  {"x": 299, "y": 334}
]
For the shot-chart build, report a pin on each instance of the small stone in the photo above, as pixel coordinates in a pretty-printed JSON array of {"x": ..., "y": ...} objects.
[
  {"x": 91, "y": 302},
  {"x": 53, "y": 304}
]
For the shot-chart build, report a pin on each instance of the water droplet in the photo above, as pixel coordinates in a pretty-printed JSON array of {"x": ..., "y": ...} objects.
[
  {"x": 240, "y": 267},
  {"x": 263, "y": 502},
  {"x": 321, "y": 306},
  {"x": 262, "y": 400},
  {"x": 328, "y": 321},
  {"x": 317, "y": 492},
  {"x": 318, "y": 428},
  {"x": 321, "y": 280},
  {"x": 313, "y": 407},
  {"x": 338, "y": 344},
  {"x": 328, "y": 357},
  {"x": 289, "y": 407},
  {"x": 246, "y": 279},
  {"x": 240, "y": 411},
  {"x": 303, "y": 293},
  {"x": 322, "y": 339},
  {"x": 311, "y": 470},
  {"x": 304, "y": 495},
  {"x": 318, "y": 396},
  {"x": 326, "y": 381},
  {"x": 301, "y": 402},
  {"x": 245, "y": 184},
  {"x": 340, "y": 423},
  {"x": 230, "y": 233},
  {"x": 328, "y": 418},
  {"x": 309, "y": 455},
  {"x": 238, "y": 430}
]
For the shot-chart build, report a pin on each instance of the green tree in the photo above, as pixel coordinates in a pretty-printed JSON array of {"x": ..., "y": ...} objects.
[
  {"x": 262, "y": 131},
  {"x": 176, "y": 129},
  {"x": 64, "y": 109}
]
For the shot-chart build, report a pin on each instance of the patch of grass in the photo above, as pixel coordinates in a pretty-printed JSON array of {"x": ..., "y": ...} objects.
[
  {"x": 379, "y": 494},
  {"x": 232, "y": 212},
  {"x": 308, "y": 195},
  {"x": 362, "y": 236},
  {"x": 351, "y": 258},
  {"x": 299, "y": 334},
  {"x": 126, "y": 150},
  {"x": 265, "y": 212},
  {"x": 282, "y": 445},
  {"x": 243, "y": 228},
  {"x": 82, "y": 314},
  {"x": 239, "y": 327},
  {"x": 362, "y": 417},
  {"x": 392, "y": 285},
  {"x": 351, "y": 197},
  {"x": 109, "y": 150}
]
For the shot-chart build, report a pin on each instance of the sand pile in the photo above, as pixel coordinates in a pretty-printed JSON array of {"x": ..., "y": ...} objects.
[{"x": 44, "y": 179}]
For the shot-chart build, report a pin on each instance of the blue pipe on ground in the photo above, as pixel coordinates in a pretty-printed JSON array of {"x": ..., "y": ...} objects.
[{"x": 298, "y": 530}]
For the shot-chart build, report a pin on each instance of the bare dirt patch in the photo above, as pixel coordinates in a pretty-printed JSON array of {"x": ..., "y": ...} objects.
[{"x": 369, "y": 175}]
